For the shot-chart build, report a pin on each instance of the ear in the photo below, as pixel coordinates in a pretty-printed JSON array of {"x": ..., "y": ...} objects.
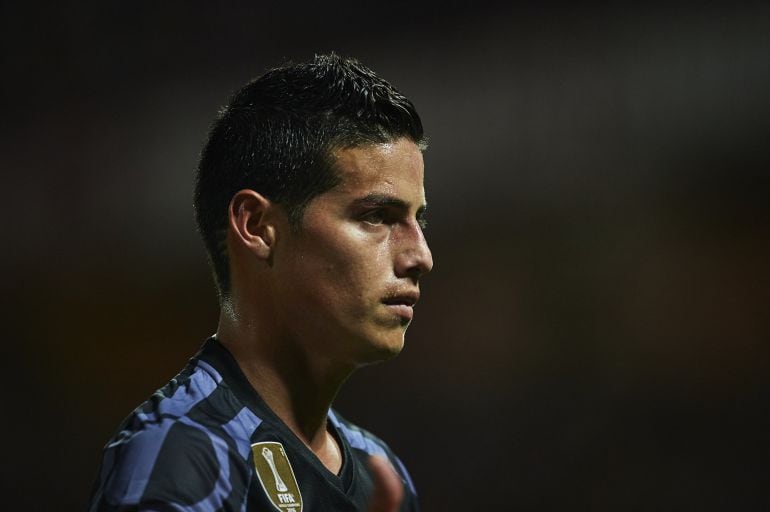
[{"x": 250, "y": 221}]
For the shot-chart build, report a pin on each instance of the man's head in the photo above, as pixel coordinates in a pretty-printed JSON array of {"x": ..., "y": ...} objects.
[{"x": 279, "y": 135}]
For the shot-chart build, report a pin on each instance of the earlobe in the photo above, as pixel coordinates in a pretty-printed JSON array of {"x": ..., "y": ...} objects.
[{"x": 250, "y": 223}]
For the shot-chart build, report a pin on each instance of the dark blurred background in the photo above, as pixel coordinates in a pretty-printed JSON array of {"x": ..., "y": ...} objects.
[{"x": 595, "y": 333}]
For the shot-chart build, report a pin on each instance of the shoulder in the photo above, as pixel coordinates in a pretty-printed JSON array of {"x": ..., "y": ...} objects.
[
  {"x": 178, "y": 446},
  {"x": 362, "y": 440}
]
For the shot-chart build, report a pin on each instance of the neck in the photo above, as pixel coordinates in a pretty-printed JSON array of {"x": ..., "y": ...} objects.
[{"x": 296, "y": 382}]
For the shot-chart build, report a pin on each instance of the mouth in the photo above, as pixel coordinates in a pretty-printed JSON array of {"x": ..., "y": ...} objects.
[{"x": 402, "y": 304}]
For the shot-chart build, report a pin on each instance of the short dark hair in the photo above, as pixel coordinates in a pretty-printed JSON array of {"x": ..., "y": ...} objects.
[{"x": 278, "y": 134}]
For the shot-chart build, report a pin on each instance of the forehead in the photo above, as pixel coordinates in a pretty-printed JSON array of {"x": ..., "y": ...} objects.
[{"x": 393, "y": 168}]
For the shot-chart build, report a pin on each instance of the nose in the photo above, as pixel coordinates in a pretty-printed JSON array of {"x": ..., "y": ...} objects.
[{"x": 414, "y": 257}]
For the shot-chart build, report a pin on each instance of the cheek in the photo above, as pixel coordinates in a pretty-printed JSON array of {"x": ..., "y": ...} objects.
[{"x": 349, "y": 270}]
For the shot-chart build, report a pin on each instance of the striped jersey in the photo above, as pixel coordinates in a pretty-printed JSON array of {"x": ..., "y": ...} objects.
[{"x": 207, "y": 442}]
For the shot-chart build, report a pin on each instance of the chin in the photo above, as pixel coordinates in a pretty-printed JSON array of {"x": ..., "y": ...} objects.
[{"x": 383, "y": 349}]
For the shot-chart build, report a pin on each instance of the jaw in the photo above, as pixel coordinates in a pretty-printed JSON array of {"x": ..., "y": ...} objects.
[{"x": 385, "y": 344}]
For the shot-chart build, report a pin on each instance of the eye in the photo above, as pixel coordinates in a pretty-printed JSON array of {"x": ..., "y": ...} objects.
[
  {"x": 422, "y": 222},
  {"x": 375, "y": 217}
]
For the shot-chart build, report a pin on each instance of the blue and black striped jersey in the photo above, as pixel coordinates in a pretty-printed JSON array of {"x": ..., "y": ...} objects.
[{"x": 207, "y": 442}]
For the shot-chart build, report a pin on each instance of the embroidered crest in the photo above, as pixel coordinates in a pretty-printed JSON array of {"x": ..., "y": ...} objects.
[{"x": 277, "y": 476}]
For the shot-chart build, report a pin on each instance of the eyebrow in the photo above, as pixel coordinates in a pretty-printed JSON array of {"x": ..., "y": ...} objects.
[{"x": 381, "y": 200}]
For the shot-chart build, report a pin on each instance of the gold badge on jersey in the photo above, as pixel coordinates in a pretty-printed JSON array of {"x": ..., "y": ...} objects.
[{"x": 276, "y": 476}]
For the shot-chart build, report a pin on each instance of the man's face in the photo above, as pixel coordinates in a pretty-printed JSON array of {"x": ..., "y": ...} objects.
[{"x": 349, "y": 276}]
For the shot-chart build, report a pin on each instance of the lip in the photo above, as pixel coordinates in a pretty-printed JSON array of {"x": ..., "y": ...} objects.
[
  {"x": 401, "y": 310},
  {"x": 401, "y": 303}
]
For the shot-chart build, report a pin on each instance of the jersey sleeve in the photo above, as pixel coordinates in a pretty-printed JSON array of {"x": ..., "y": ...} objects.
[{"x": 167, "y": 465}]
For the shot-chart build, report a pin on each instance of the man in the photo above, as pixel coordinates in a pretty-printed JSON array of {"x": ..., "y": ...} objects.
[{"x": 310, "y": 201}]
